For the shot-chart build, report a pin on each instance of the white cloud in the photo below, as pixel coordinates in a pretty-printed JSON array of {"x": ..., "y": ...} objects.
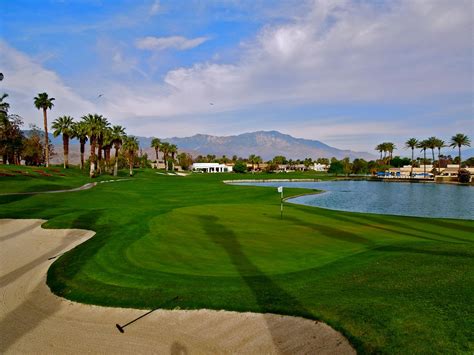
[
  {"x": 338, "y": 52},
  {"x": 155, "y": 7},
  {"x": 174, "y": 42},
  {"x": 24, "y": 79}
]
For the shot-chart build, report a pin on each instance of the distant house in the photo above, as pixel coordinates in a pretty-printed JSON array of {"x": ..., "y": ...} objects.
[
  {"x": 320, "y": 167},
  {"x": 211, "y": 168}
]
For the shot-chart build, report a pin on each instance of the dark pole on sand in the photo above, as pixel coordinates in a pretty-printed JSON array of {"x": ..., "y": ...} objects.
[{"x": 120, "y": 327}]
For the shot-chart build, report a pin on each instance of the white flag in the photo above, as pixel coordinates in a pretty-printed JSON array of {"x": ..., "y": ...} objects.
[{"x": 280, "y": 189}]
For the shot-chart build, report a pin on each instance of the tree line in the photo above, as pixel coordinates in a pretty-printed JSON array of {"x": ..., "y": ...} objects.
[
  {"x": 434, "y": 143},
  {"x": 92, "y": 128}
]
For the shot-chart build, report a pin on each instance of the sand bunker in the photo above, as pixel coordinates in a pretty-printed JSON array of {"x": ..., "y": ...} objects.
[{"x": 33, "y": 320}]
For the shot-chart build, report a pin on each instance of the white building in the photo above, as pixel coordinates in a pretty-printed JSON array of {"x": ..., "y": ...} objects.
[
  {"x": 211, "y": 168},
  {"x": 320, "y": 167}
]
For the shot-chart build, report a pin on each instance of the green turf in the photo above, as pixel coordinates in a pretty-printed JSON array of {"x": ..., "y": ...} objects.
[
  {"x": 34, "y": 179},
  {"x": 390, "y": 284}
]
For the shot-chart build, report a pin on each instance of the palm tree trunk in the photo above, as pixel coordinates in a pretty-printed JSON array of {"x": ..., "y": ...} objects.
[
  {"x": 412, "y": 159},
  {"x": 132, "y": 158},
  {"x": 92, "y": 158},
  {"x": 107, "y": 158},
  {"x": 116, "y": 161},
  {"x": 83, "y": 144},
  {"x": 439, "y": 161},
  {"x": 432, "y": 152},
  {"x": 156, "y": 152},
  {"x": 46, "y": 141},
  {"x": 99, "y": 155},
  {"x": 459, "y": 169},
  {"x": 424, "y": 164},
  {"x": 66, "y": 150}
]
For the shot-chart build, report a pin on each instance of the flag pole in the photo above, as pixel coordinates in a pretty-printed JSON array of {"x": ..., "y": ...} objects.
[{"x": 280, "y": 190}]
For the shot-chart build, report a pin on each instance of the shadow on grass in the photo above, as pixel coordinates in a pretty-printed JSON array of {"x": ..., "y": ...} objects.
[
  {"x": 387, "y": 224},
  {"x": 6, "y": 199},
  {"x": 269, "y": 296},
  {"x": 330, "y": 232},
  {"x": 402, "y": 249}
]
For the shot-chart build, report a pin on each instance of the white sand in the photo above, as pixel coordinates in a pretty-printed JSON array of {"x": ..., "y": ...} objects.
[{"x": 33, "y": 320}]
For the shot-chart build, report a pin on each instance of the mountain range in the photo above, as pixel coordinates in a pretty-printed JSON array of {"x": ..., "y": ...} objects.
[{"x": 266, "y": 144}]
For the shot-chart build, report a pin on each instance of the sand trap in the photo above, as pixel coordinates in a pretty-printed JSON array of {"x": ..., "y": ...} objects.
[{"x": 32, "y": 319}]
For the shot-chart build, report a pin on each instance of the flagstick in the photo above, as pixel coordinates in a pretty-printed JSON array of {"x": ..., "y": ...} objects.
[{"x": 281, "y": 201}]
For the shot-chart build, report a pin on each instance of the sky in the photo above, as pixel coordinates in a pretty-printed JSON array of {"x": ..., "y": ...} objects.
[{"x": 349, "y": 73}]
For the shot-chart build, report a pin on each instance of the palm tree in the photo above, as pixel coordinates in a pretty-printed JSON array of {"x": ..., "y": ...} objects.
[
  {"x": 412, "y": 143},
  {"x": 390, "y": 147},
  {"x": 4, "y": 106},
  {"x": 380, "y": 148},
  {"x": 458, "y": 141},
  {"x": 156, "y": 143},
  {"x": 424, "y": 144},
  {"x": 173, "y": 149},
  {"x": 118, "y": 135},
  {"x": 42, "y": 101},
  {"x": 64, "y": 125},
  {"x": 103, "y": 125},
  {"x": 165, "y": 148},
  {"x": 432, "y": 145},
  {"x": 93, "y": 123},
  {"x": 130, "y": 145},
  {"x": 107, "y": 146},
  {"x": 254, "y": 159},
  {"x": 80, "y": 132},
  {"x": 439, "y": 143}
]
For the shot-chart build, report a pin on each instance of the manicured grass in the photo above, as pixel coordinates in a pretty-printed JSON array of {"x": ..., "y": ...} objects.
[
  {"x": 391, "y": 284},
  {"x": 34, "y": 179}
]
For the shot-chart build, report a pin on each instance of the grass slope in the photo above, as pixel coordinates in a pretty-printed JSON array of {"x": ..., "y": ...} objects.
[{"x": 391, "y": 284}]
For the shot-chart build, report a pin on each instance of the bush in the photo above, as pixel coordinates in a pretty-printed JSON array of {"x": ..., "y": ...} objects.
[
  {"x": 240, "y": 167},
  {"x": 464, "y": 176}
]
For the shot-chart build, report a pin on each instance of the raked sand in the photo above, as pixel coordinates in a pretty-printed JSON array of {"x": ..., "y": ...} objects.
[{"x": 33, "y": 320}]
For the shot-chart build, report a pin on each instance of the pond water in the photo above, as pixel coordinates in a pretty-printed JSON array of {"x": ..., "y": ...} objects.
[{"x": 395, "y": 198}]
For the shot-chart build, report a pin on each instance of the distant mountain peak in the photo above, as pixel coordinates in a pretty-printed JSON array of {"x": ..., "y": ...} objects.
[{"x": 267, "y": 144}]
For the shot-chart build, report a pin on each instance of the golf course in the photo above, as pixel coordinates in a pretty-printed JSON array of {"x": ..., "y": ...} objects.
[{"x": 389, "y": 284}]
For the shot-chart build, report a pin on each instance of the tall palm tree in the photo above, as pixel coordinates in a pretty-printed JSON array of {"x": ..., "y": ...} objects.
[
  {"x": 380, "y": 148},
  {"x": 4, "y": 106},
  {"x": 458, "y": 141},
  {"x": 172, "y": 150},
  {"x": 439, "y": 143},
  {"x": 80, "y": 132},
  {"x": 423, "y": 145},
  {"x": 412, "y": 143},
  {"x": 156, "y": 143},
  {"x": 432, "y": 145},
  {"x": 130, "y": 146},
  {"x": 165, "y": 148},
  {"x": 107, "y": 146},
  {"x": 93, "y": 123},
  {"x": 390, "y": 147},
  {"x": 103, "y": 125},
  {"x": 44, "y": 102},
  {"x": 64, "y": 125},
  {"x": 118, "y": 135}
]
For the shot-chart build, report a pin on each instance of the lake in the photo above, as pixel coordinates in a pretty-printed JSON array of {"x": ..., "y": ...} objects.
[{"x": 394, "y": 198}]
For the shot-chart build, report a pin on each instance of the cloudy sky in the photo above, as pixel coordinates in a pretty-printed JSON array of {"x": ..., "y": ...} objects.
[{"x": 349, "y": 73}]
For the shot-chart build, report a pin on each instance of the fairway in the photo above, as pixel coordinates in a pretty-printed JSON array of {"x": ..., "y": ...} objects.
[{"x": 387, "y": 283}]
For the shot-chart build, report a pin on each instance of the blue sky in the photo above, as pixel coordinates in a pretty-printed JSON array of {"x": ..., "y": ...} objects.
[{"x": 349, "y": 73}]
